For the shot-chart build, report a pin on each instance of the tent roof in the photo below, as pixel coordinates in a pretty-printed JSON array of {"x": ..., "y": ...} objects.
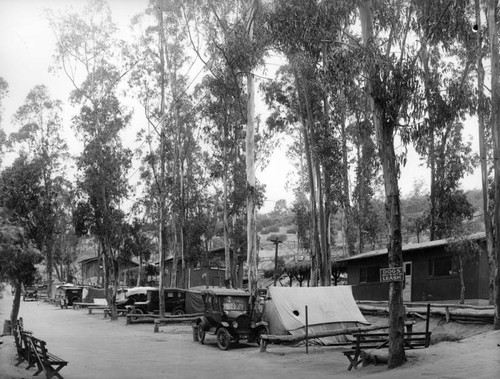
[
  {"x": 225, "y": 292},
  {"x": 325, "y": 305}
]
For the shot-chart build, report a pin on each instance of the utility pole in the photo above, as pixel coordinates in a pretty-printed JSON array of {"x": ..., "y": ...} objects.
[{"x": 276, "y": 241}]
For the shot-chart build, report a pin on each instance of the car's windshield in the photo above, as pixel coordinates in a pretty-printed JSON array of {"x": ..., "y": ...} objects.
[{"x": 234, "y": 303}]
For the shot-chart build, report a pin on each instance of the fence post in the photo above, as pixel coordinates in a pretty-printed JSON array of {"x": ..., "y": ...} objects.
[{"x": 307, "y": 331}]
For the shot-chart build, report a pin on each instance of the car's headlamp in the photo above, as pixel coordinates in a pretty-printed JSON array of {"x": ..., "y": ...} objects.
[{"x": 234, "y": 324}]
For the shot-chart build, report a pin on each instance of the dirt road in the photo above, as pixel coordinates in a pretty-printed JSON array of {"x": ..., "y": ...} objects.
[{"x": 99, "y": 348}]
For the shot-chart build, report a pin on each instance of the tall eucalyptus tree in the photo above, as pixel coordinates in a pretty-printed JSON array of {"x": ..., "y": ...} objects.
[
  {"x": 447, "y": 56},
  {"x": 390, "y": 88},
  {"x": 493, "y": 8},
  {"x": 233, "y": 41},
  {"x": 300, "y": 30},
  {"x": 40, "y": 139},
  {"x": 86, "y": 52}
]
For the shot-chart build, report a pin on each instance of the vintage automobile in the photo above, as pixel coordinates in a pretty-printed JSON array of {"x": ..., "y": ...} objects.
[
  {"x": 227, "y": 315},
  {"x": 146, "y": 300},
  {"x": 133, "y": 295},
  {"x": 67, "y": 294},
  {"x": 30, "y": 293}
]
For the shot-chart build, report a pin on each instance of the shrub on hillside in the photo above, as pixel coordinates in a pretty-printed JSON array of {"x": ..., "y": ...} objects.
[{"x": 292, "y": 230}]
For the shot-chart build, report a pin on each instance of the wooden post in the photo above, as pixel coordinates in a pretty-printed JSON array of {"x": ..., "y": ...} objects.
[
  {"x": 427, "y": 342},
  {"x": 307, "y": 331},
  {"x": 276, "y": 241},
  {"x": 447, "y": 310}
]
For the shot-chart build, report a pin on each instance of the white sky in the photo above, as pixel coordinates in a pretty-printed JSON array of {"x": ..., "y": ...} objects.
[{"x": 26, "y": 48}]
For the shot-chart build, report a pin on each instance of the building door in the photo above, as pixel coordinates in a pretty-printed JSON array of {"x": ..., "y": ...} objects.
[{"x": 407, "y": 268}]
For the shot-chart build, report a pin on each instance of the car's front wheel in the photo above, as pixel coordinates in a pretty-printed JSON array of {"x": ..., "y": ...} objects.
[
  {"x": 261, "y": 330},
  {"x": 195, "y": 333},
  {"x": 223, "y": 338},
  {"x": 201, "y": 334}
]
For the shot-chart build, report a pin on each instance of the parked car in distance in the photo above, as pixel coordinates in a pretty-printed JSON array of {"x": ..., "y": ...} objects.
[
  {"x": 227, "y": 315},
  {"x": 69, "y": 294},
  {"x": 146, "y": 300},
  {"x": 30, "y": 293}
]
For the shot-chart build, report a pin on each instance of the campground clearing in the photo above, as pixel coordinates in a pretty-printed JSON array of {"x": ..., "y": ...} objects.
[{"x": 99, "y": 348}]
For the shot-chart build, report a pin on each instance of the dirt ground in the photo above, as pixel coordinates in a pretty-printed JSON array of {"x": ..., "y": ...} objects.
[{"x": 96, "y": 347}]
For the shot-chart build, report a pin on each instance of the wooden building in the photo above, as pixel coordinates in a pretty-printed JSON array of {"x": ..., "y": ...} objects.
[
  {"x": 91, "y": 272},
  {"x": 431, "y": 273},
  {"x": 209, "y": 271}
]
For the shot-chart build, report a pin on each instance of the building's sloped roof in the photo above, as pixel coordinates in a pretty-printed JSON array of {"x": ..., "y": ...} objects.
[
  {"x": 409, "y": 248},
  {"x": 87, "y": 259}
]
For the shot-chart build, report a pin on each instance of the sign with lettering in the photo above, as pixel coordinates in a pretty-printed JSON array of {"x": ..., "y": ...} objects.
[{"x": 393, "y": 274}]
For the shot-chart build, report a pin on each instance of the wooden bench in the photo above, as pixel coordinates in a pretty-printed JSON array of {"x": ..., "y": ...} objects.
[
  {"x": 170, "y": 319},
  {"x": 140, "y": 317},
  {"x": 45, "y": 361},
  {"x": 97, "y": 304},
  {"x": 21, "y": 347},
  {"x": 79, "y": 304},
  {"x": 367, "y": 341}
]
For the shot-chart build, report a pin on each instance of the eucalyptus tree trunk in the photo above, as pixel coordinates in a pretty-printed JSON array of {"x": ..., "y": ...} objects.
[
  {"x": 462, "y": 279},
  {"x": 112, "y": 300},
  {"x": 312, "y": 192},
  {"x": 346, "y": 207},
  {"x": 182, "y": 218},
  {"x": 161, "y": 179},
  {"x": 16, "y": 303},
  {"x": 495, "y": 127},
  {"x": 227, "y": 250},
  {"x": 385, "y": 127},
  {"x": 432, "y": 160},
  {"x": 481, "y": 112},
  {"x": 250, "y": 165},
  {"x": 139, "y": 272}
]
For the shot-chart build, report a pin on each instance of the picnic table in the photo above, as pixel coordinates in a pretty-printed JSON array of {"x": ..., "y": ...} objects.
[
  {"x": 96, "y": 304},
  {"x": 367, "y": 340}
]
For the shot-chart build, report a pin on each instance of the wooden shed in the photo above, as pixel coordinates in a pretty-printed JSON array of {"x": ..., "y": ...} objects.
[{"x": 431, "y": 273}]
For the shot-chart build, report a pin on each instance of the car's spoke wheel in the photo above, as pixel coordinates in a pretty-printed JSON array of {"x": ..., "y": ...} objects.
[
  {"x": 201, "y": 334},
  {"x": 223, "y": 338},
  {"x": 195, "y": 333},
  {"x": 136, "y": 311},
  {"x": 178, "y": 312},
  {"x": 261, "y": 330}
]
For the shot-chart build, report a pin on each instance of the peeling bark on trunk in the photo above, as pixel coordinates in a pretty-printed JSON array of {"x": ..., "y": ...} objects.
[
  {"x": 385, "y": 127},
  {"x": 312, "y": 192},
  {"x": 495, "y": 127},
  {"x": 250, "y": 167},
  {"x": 481, "y": 113}
]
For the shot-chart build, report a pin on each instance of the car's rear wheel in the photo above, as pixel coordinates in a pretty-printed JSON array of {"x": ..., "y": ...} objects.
[
  {"x": 136, "y": 311},
  {"x": 223, "y": 338},
  {"x": 178, "y": 312},
  {"x": 201, "y": 334}
]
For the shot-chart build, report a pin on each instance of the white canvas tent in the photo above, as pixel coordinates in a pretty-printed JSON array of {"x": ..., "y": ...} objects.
[{"x": 329, "y": 308}]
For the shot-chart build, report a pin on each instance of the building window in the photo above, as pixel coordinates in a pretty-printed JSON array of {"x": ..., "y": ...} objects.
[
  {"x": 442, "y": 266},
  {"x": 370, "y": 274},
  {"x": 197, "y": 265}
]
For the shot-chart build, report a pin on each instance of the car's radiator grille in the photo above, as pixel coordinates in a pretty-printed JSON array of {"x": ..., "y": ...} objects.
[{"x": 243, "y": 322}]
